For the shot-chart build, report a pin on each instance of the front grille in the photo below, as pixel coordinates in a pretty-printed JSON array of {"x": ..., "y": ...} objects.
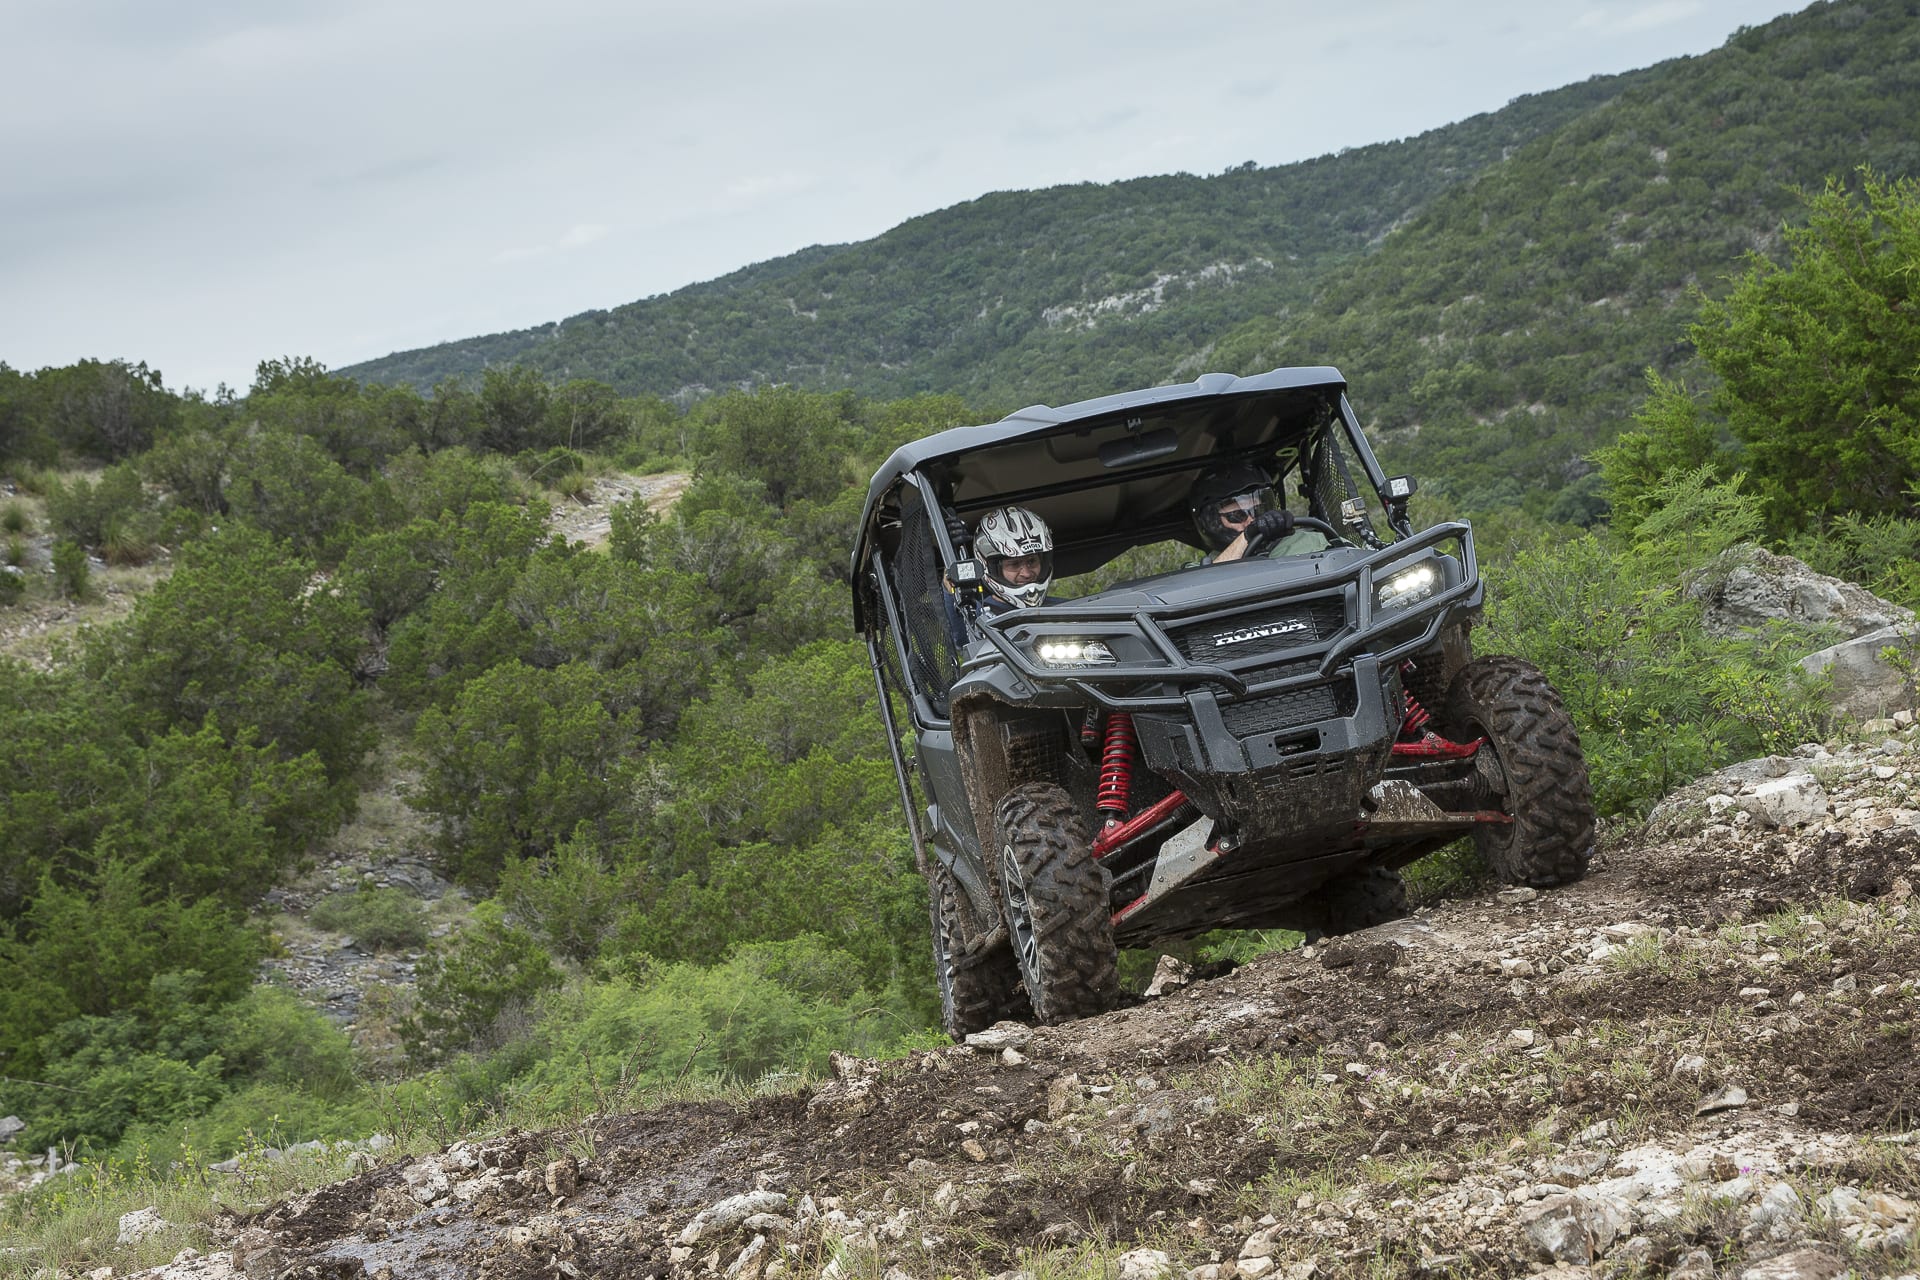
[
  {"x": 1259, "y": 632},
  {"x": 1289, "y": 709}
]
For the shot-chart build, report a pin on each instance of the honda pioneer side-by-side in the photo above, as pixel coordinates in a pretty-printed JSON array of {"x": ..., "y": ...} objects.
[{"x": 1251, "y": 742}]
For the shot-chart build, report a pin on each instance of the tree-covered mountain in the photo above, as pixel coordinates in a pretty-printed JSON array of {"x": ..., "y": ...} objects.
[
  {"x": 1521, "y": 268},
  {"x": 1506, "y": 331},
  {"x": 1020, "y": 295}
]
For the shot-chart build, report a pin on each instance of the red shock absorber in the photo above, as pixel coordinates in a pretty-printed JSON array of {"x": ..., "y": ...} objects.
[
  {"x": 1417, "y": 716},
  {"x": 1115, "y": 795}
]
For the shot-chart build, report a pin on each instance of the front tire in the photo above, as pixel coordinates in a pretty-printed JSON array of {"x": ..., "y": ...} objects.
[
  {"x": 976, "y": 990},
  {"x": 1537, "y": 773},
  {"x": 1056, "y": 897}
]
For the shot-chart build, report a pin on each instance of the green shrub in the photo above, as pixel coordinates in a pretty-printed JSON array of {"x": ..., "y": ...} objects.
[
  {"x": 247, "y": 1119},
  {"x": 14, "y": 519},
  {"x": 239, "y": 632},
  {"x": 270, "y": 1037},
  {"x": 87, "y": 511},
  {"x": 767, "y": 1007},
  {"x": 524, "y": 757},
  {"x": 571, "y": 900},
  {"x": 383, "y": 919},
  {"x": 16, "y": 553},
  {"x": 290, "y": 487},
  {"x": 70, "y": 569},
  {"x": 12, "y": 587},
  {"x": 1656, "y": 700},
  {"x": 471, "y": 987}
]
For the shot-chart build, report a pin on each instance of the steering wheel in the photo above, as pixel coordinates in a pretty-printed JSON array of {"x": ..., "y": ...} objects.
[{"x": 1258, "y": 545}]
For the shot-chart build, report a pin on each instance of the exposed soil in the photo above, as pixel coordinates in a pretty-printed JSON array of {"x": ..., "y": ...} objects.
[{"x": 1710, "y": 1038}]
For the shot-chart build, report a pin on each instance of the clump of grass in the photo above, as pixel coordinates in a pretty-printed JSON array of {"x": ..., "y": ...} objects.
[
  {"x": 125, "y": 545},
  {"x": 14, "y": 519},
  {"x": 575, "y": 484},
  {"x": 16, "y": 552},
  {"x": 38, "y": 481},
  {"x": 383, "y": 919}
]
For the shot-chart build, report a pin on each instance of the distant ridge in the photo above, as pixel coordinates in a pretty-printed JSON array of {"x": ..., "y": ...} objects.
[
  {"x": 1495, "y": 288},
  {"x": 980, "y": 297}
]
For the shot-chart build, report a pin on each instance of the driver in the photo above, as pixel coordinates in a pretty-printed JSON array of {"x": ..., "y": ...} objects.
[{"x": 1233, "y": 505}]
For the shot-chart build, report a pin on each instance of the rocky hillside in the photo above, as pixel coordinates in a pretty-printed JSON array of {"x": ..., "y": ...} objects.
[{"x": 1698, "y": 1062}]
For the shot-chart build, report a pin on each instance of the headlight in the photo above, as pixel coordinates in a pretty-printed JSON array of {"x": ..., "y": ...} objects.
[
  {"x": 1062, "y": 652},
  {"x": 1409, "y": 586}
]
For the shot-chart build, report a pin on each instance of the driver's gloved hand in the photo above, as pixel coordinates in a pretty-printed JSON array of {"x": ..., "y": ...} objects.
[
  {"x": 1270, "y": 524},
  {"x": 957, "y": 531}
]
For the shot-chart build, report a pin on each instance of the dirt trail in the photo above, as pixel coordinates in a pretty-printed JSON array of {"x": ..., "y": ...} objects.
[{"x": 1698, "y": 1062}]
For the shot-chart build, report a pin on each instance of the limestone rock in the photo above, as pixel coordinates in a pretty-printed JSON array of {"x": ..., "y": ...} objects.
[
  {"x": 1170, "y": 974},
  {"x": 845, "y": 1098},
  {"x": 1865, "y": 685},
  {"x": 141, "y": 1223},
  {"x": 1793, "y": 801},
  {"x": 1144, "y": 1264},
  {"x": 1726, "y": 1100},
  {"x": 562, "y": 1177},
  {"x": 1746, "y": 587},
  {"x": 730, "y": 1213},
  {"x": 1576, "y": 1229},
  {"x": 1001, "y": 1035},
  {"x": 1800, "y": 1264},
  {"x": 256, "y": 1256}
]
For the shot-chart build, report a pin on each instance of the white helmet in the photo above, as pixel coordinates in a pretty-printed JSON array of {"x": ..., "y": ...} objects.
[{"x": 1015, "y": 533}]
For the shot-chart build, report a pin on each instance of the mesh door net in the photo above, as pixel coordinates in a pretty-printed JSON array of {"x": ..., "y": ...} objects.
[
  {"x": 1331, "y": 474},
  {"x": 926, "y": 611}
]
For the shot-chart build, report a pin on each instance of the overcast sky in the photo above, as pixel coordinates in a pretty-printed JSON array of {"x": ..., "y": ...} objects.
[{"x": 202, "y": 184}]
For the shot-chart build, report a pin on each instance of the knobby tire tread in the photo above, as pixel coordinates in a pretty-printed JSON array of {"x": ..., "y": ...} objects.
[
  {"x": 1549, "y": 796},
  {"x": 975, "y": 991},
  {"x": 1075, "y": 973}
]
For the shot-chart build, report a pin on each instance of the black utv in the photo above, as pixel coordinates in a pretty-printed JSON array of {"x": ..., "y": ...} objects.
[{"x": 1257, "y": 744}]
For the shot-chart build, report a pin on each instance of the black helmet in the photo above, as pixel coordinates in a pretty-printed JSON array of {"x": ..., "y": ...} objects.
[{"x": 1215, "y": 488}]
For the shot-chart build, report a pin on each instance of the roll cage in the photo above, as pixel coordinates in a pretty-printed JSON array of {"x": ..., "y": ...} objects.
[{"x": 1109, "y": 475}]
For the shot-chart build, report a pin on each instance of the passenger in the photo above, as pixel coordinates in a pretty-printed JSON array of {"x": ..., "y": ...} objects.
[
  {"x": 1235, "y": 505},
  {"x": 1017, "y": 548}
]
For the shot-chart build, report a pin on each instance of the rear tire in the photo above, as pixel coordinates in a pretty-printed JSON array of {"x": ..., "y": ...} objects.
[
  {"x": 1056, "y": 897},
  {"x": 1538, "y": 774},
  {"x": 976, "y": 991}
]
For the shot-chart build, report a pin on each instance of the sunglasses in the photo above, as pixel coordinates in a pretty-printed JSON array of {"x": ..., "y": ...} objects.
[{"x": 1236, "y": 517}]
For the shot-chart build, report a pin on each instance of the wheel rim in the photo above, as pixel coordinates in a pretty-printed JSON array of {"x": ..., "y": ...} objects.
[
  {"x": 1019, "y": 916},
  {"x": 943, "y": 955}
]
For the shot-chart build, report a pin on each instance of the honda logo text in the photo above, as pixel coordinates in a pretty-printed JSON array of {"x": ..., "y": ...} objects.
[{"x": 1225, "y": 638}]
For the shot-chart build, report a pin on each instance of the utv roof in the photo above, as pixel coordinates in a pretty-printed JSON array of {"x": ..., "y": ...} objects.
[{"x": 1109, "y": 473}]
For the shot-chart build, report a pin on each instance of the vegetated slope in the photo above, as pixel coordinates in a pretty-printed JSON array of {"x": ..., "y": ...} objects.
[
  {"x": 1535, "y": 298},
  {"x": 1505, "y": 309},
  {"x": 1697, "y": 1060},
  {"x": 1057, "y": 293}
]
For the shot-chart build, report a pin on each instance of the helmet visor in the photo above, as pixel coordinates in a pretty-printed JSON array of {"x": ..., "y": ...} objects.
[
  {"x": 1020, "y": 571},
  {"x": 1237, "y": 512}
]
